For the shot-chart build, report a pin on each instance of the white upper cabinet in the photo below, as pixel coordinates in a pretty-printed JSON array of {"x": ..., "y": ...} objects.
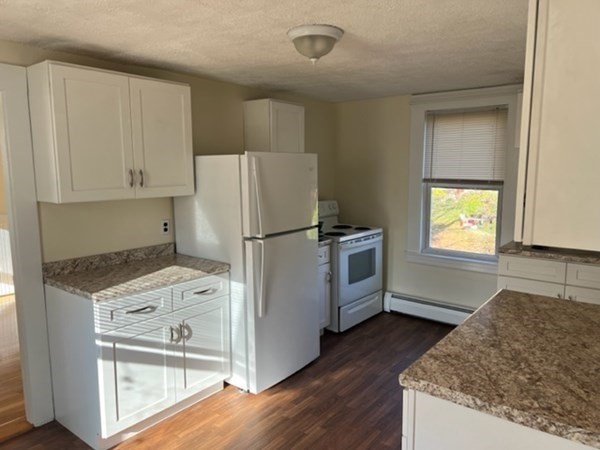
[
  {"x": 562, "y": 94},
  {"x": 100, "y": 135},
  {"x": 162, "y": 138},
  {"x": 273, "y": 126}
]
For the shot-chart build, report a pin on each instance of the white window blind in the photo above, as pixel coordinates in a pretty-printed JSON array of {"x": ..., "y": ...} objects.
[{"x": 467, "y": 145}]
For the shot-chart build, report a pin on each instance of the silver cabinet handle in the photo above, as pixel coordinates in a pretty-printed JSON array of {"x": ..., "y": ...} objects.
[
  {"x": 186, "y": 327},
  {"x": 208, "y": 291},
  {"x": 328, "y": 276},
  {"x": 572, "y": 297},
  {"x": 141, "y": 178},
  {"x": 175, "y": 335},
  {"x": 144, "y": 310},
  {"x": 131, "y": 178},
  {"x": 560, "y": 296}
]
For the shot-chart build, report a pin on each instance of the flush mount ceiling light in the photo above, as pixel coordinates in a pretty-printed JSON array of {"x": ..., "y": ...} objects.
[{"x": 314, "y": 41}]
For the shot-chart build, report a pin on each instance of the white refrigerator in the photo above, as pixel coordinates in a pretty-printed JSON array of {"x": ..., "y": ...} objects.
[{"x": 258, "y": 212}]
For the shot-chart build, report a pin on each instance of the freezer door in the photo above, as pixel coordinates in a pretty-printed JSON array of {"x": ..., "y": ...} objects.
[
  {"x": 283, "y": 311},
  {"x": 279, "y": 192}
]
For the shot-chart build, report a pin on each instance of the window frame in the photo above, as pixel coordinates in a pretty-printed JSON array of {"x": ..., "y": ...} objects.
[{"x": 421, "y": 105}]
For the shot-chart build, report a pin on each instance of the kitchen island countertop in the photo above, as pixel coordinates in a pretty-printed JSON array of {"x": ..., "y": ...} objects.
[{"x": 526, "y": 358}]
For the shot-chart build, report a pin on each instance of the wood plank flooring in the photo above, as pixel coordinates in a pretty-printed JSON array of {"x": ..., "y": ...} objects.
[
  {"x": 348, "y": 398},
  {"x": 12, "y": 404}
]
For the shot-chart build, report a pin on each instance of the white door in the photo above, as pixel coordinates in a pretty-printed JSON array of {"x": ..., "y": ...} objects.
[
  {"x": 287, "y": 127},
  {"x": 279, "y": 192},
  {"x": 162, "y": 138},
  {"x": 93, "y": 134},
  {"x": 204, "y": 350},
  {"x": 283, "y": 309},
  {"x": 138, "y": 373}
]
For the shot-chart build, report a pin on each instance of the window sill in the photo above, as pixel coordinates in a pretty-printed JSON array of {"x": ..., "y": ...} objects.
[{"x": 453, "y": 263}]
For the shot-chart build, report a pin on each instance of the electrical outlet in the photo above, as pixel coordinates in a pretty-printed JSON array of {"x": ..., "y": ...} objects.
[{"x": 165, "y": 226}]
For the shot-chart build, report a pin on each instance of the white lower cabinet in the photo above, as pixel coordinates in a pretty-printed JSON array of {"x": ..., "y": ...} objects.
[
  {"x": 324, "y": 287},
  {"x": 137, "y": 374},
  {"x": 121, "y": 366},
  {"x": 558, "y": 279},
  {"x": 202, "y": 356}
]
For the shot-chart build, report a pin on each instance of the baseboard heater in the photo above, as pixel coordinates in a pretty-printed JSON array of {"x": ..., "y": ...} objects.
[{"x": 426, "y": 309}]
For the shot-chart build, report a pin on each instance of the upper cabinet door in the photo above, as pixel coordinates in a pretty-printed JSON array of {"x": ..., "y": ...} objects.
[
  {"x": 561, "y": 208},
  {"x": 273, "y": 126},
  {"x": 90, "y": 142},
  {"x": 162, "y": 138},
  {"x": 287, "y": 128}
]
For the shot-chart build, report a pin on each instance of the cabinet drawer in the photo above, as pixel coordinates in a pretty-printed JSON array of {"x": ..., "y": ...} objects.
[
  {"x": 584, "y": 295},
  {"x": 584, "y": 275},
  {"x": 200, "y": 290},
  {"x": 324, "y": 254},
  {"x": 531, "y": 286},
  {"x": 534, "y": 269},
  {"x": 129, "y": 310}
]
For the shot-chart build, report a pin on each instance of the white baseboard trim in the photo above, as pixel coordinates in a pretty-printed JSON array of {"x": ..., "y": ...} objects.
[{"x": 426, "y": 309}]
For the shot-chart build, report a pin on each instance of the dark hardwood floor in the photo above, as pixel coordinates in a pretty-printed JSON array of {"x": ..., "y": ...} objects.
[{"x": 348, "y": 398}]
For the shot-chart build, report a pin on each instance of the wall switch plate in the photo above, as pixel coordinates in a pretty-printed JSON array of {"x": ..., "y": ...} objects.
[{"x": 165, "y": 226}]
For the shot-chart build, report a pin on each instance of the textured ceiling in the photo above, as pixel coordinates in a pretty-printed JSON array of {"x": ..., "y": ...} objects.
[{"x": 390, "y": 47}]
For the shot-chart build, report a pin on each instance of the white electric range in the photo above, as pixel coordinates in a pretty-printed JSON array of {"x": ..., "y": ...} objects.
[{"x": 356, "y": 257}]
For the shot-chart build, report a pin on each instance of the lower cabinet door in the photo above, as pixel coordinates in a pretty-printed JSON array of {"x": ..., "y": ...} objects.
[
  {"x": 584, "y": 295},
  {"x": 324, "y": 295},
  {"x": 204, "y": 352},
  {"x": 136, "y": 373}
]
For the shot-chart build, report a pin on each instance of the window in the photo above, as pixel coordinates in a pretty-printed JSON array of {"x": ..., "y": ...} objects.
[{"x": 463, "y": 172}]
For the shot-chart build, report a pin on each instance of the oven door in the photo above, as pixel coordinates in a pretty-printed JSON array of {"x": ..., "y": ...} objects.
[{"x": 359, "y": 268}]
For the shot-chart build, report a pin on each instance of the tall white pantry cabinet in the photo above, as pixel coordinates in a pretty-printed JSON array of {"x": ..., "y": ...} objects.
[
  {"x": 102, "y": 135},
  {"x": 560, "y": 135}
]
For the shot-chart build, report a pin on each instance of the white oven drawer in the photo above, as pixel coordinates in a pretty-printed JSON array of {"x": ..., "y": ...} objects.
[{"x": 360, "y": 310}]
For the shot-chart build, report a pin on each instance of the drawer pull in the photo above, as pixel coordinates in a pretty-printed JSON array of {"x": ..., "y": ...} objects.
[
  {"x": 144, "y": 310},
  {"x": 208, "y": 291},
  {"x": 186, "y": 327},
  {"x": 175, "y": 335}
]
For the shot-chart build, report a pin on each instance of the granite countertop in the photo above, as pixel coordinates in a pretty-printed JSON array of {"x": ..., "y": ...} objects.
[
  {"x": 556, "y": 254},
  {"x": 526, "y": 358},
  {"x": 110, "y": 276}
]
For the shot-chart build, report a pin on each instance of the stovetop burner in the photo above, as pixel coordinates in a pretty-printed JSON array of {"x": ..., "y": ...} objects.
[
  {"x": 362, "y": 228},
  {"x": 342, "y": 226},
  {"x": 335, "y": 233}
]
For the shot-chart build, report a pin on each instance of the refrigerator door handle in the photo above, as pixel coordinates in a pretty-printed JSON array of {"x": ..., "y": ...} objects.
[
  {"x": 257, "y": 193},
  {"x": 262, "y": 307}
]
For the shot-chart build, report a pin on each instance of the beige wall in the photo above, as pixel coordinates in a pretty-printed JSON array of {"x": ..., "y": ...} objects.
[
  {"x": 88, "y": 228},
  {"x": 372, "y": 156}
]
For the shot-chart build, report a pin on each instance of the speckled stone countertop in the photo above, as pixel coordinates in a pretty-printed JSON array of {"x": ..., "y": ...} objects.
[
  {"x": 526, "y": 358},
  {"x": 114, "y": 275},
  {"x": 557, "y": 254}
]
